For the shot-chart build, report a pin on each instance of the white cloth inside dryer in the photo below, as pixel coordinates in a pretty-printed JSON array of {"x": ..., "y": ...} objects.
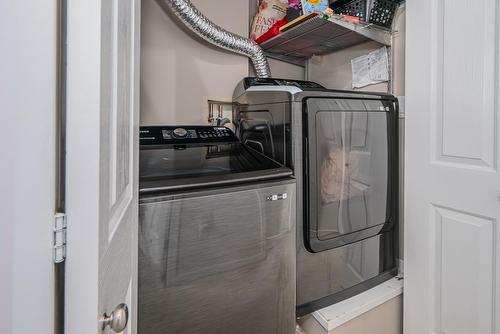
[{"x": 340, "y": 176}]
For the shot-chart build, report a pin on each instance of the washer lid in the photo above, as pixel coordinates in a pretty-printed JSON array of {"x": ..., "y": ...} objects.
[{"x": 174, "y": 167}]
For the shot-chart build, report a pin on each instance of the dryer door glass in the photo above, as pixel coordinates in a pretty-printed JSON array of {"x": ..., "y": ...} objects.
[{"x": 349, "y": 171}]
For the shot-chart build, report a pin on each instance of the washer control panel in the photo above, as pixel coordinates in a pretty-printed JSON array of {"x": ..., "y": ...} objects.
[{"x": 179, "y": 135}]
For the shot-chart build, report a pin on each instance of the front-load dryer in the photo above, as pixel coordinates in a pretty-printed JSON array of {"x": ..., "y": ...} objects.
[{"x": 343, "y": 149}]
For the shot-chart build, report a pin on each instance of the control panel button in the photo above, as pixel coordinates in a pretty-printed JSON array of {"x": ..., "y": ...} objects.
[
  {"x": 166, "y": 134},
  {"x": 215, "y": 132},
  {"x": 180, "y": 133}
]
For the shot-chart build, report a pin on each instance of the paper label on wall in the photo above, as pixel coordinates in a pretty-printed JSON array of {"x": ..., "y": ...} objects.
[{"x": 370, "y": 69}]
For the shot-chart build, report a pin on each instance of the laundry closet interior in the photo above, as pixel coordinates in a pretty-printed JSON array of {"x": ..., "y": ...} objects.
[{"x": 272, "y": 203}]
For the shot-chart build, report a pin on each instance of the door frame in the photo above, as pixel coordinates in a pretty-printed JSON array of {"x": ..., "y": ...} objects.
[
  {"x": 29, "y": 118},
  {"x": 83, "y": 112}
]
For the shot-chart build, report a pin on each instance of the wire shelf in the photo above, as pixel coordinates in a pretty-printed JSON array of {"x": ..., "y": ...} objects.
[{"x": 318, "y": 36}]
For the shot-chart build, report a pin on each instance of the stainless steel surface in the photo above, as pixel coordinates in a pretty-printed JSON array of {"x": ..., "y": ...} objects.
[
  {"x": 218, "y": 261},
  {"x": 318, "y": 36},
  {"x": 117, "y": 320},
  {"x": 194, "y": 165},
  {"x": 148, "y": 187},
  {"x": 212, "y": 33},
  {"x": 259, "y": 95},
  {"x": 339, "y": 271}
]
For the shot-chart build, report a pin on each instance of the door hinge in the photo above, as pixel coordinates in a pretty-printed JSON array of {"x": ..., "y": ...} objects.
[{"x": 59, "y": 249}]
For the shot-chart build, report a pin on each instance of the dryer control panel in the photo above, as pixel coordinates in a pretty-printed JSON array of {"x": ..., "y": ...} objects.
[{"x": 180, "y": 135}]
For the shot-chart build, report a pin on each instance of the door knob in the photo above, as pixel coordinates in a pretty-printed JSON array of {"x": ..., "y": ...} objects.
[{"x": 117, "y": 320}]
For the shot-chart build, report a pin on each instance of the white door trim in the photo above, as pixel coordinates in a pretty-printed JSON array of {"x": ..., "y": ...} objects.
[{"x": 28, "y": 95}]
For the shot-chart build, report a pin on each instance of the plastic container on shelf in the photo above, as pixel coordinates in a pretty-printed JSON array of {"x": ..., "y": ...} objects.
[
  {"x": 382, "y": 12},
  {"x": 379, "y": 12},
  {"x": 356, "y": 8}
]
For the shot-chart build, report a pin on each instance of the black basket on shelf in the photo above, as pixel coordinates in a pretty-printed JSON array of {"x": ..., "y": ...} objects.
[
  {"x": 382, "y": 12},
  {"x": 379, "y": 12},
  {"x": 351, "y": 7}
]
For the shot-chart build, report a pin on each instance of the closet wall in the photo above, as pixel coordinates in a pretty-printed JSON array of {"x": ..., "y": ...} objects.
[
  {"x": 179, "y": 74},
  {"x": 334, "y": 70}
]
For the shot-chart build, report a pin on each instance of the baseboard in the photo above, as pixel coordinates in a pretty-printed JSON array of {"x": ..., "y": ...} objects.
[{"x": 327, "y": 319}]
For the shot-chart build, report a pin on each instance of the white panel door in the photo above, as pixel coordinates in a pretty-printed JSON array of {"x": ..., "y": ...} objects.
[
  {"x": 102, "y": 162},
  {"x": 452, "y": 249}
]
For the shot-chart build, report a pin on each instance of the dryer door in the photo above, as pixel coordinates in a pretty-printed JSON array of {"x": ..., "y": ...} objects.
[{"x": 351, "y": 170}]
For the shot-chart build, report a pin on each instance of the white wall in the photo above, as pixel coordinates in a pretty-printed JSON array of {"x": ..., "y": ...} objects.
[
  {"x": 282, "y": 70},
  {"x": 334, "y": 70},
  {"x": 27, "y": 168},
  {"x": 399, "y": 52},
  {"x": 384, "y": 319},
  {"x": 179, "y": 73}
]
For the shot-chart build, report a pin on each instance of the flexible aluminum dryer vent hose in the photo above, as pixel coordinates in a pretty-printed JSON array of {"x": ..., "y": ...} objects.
[{"x": 216, "y": 35}]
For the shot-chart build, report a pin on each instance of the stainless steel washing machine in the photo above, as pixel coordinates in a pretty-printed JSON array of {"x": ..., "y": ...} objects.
[
  {"x": 343, "y": 148},
  {"x": 217, "y": 235}
]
